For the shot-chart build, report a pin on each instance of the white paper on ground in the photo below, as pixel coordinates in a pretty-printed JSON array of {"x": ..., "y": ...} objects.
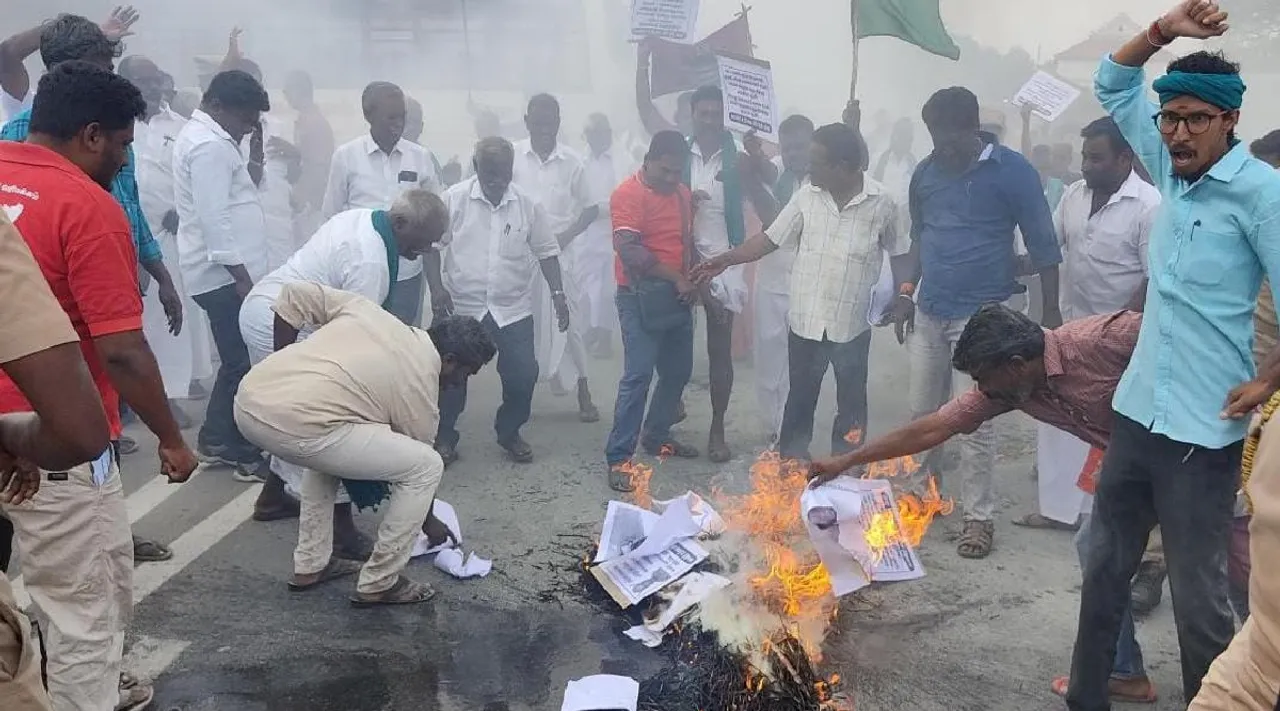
[
  {"x": 644, "y": 636},
  {"x": 882, "y": 294},
  {"x": 452, "y": 562},
  {"x": 683, "y": 595},
  {"x": 632, "y": 578},
  {"x": 604, "y": 691},
  {"x": 449, "y": 517},
  {"x": 687, "y": 516},
  {"x": 842, "y": 546},
  {"x": 625, "y": 527}
]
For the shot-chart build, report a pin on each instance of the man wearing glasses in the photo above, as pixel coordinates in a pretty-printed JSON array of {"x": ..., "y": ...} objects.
[{"x": 1176, "y": 439}]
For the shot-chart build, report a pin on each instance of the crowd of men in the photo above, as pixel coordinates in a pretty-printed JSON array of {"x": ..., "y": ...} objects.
[{"x": 154, "y": 235}]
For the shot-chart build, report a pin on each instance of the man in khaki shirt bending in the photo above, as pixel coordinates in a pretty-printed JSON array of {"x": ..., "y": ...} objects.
[{"x": 357, "y": 400}]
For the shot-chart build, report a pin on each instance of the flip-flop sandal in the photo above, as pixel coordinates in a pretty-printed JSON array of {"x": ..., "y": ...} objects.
[
  {"x": 621, "y": 482},
  {"x": 135, "y": 698},
  {"x": 404, "y": 592},
  {"x": 977, "y": 540},
  {"x": 673, "y": 448},
  {"x": 1060, "y": 685},
  {"x": 145, "y": 551},
  {"x": 1044, "y": 523},
  {"x": 337, "y": 568}
]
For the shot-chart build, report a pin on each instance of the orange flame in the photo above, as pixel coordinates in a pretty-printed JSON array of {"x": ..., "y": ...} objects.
[
  {"x": 641, "y": 474},
  {"x": 664, "y": 452},
  {"x": 854, "y": 436}
]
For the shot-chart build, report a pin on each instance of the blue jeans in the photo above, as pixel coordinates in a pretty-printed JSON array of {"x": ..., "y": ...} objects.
[
  {"x": 1128, "y": 663},
  {"x": 670, "y": 354}
]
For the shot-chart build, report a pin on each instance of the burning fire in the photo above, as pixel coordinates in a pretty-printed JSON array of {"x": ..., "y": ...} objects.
[
  {"x": 854, "y": 436},
  {"x": 641, "y": 474}
]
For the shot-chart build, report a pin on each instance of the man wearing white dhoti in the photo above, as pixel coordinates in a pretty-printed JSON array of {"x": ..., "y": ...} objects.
[
  {"x": 554, "y": 176},
  {"x": 1103, "y": 222},
  {"x": 592, "y": 253},
  {"x": 153, "y": 148},
  {"x": 357, "y": 251}
]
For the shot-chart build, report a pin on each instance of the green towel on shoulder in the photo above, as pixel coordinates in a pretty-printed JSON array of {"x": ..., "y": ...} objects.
[{"x": 734, "y": 217}]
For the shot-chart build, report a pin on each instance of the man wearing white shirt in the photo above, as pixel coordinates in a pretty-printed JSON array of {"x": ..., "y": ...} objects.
[
  {"x": 154, "y": 138},
  {"x": 1103, "y": 222},
  {"x": 591, "y": 268},
  {"x": 840, "y": 224},
  {"x": 371, "y": 172},
  {"x": 556, "y": 178},
  {"x": 222, "y": 244},
  {"x": 497, "y": 236},
  {"x": 357, "y": 251}
]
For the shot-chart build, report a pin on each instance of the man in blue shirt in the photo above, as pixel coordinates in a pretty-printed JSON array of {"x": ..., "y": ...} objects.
[
  {"x": 1175, "y": 451},
  {"x": 966, "y": 200},
  {"x": 71, "y": 37}
]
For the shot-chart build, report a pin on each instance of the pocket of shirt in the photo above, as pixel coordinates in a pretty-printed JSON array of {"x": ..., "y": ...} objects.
[
  {"x": 1209, "y": 257},
  {"x": 515, "y": 243}
]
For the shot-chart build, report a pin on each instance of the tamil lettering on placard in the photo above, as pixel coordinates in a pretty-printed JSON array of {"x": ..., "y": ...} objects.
[
  {"x": 1047, "y": 95},
  {"x": 750, "y": 103},
  {"x": 673, "y": 20}
]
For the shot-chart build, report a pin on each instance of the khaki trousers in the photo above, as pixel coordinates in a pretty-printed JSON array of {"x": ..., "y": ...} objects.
[
  {"x": 20, "y": 685},
  {"x": 365, "y": 452},
  {"x": 77, "y": 561}
]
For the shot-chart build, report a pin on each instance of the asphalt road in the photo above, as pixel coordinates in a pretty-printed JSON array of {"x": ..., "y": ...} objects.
[{"x": 218, "y": 631}]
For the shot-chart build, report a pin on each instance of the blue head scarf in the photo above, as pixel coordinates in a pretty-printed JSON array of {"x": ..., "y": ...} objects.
[{"x": 1226, "y": 91}]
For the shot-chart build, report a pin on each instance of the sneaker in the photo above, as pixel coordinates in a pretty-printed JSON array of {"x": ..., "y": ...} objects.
[
  {"x": 1148, "y": 588},
  {"x": 255, "y": 472}
]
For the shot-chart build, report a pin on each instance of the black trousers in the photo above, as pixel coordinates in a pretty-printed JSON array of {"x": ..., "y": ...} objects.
[
  {"x": 219, "y": 429},
  {"x": 808, "y": 361},
  {"x": 518, "y": 370},
  {"x": 1190, "y": 492}
]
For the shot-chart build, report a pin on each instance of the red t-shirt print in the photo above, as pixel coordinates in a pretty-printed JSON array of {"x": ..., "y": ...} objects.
[{"x": 80, "y": 237}]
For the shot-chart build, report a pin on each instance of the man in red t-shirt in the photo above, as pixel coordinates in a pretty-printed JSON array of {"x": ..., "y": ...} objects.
[
  {"x": 652, "y": 227},
  {"x": 77, "y": 527}
]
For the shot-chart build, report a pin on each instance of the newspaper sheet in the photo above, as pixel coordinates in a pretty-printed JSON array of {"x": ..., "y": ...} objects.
[
  {"x": 671, "y": 20},
  {"x": 630, "y": 579},
  {"x": 625, "y": 527},
  {"x": 838, "y": 515}
]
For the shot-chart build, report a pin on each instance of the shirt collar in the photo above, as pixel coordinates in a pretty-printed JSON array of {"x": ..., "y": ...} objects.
[
  {"x": 478, "y": 194},
  {"x": 556, "y": 153},
  {"x": 207, "y": 121},
  {"x": 1231, "y": 164},
  {"x": 370, "y": 147}
]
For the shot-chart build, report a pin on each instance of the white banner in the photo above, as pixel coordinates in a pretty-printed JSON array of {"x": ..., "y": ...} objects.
[
  {"x": 672, "y": 20},
  {"x": 750, "y": 103}
]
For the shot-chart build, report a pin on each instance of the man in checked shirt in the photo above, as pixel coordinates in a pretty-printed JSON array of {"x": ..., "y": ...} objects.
[{"x": 1065, "y": 377}]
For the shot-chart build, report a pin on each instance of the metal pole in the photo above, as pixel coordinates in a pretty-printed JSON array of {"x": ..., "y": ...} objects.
[{"x": 853, "y": 26}]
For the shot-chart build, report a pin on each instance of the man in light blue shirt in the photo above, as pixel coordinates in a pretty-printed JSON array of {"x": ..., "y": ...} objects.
[{"x": 1175, "y": 450}]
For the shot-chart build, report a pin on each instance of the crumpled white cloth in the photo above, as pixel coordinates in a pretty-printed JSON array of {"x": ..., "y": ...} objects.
[
  {"x": 452, "y": 562},
  {"x": 449, "y": 517}
]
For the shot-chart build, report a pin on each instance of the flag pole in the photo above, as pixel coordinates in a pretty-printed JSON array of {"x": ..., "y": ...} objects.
[{"x": 853, "y": 26}]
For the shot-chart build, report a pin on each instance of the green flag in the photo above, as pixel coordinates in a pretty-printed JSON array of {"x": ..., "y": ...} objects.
[{"x": 918, "y": 22}]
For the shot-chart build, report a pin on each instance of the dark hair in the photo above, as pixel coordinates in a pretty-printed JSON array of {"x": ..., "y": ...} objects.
[
  {"x": 1203, "y": 62},
  {"x": 1041, "y": 150},
  {"x": 545, "y": 101},
  {"x": 463, "y": 338},
  {"x": 994, "y": 336},
  {"x": 75, "y": 94},
  {"x": 497, "y": 146},
  {"x": 1268, "y": 145},
  {"x": 842, "y": 143},
  {"x": 248, "y": 66},
  {"x": 795, "y": 123},
  {"x": 70, "y": 37},
  {"x": 375, "y": 91},
  {"x": 954, "y": 107},
  {"x": 1106, "y": 127},
  {"x": 235, "y": 89},
  {"x": 706, "y": 93},
  {"x": 667, "y": 143}
]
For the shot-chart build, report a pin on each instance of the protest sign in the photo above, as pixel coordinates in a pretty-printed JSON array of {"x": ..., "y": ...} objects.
[
  {"x": 1047, "y": 95},
  {"x": 749, "y": 100},
  {"x": 672, "y": 20}
]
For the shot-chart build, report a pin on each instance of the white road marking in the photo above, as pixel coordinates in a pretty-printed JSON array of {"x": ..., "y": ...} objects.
[
  {"x": 149, "y": 657},
  {"x": 193, "y": 544}
]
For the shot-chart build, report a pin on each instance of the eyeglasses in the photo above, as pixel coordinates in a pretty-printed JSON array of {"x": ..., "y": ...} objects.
[{"x": 1167, "y": 122}]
